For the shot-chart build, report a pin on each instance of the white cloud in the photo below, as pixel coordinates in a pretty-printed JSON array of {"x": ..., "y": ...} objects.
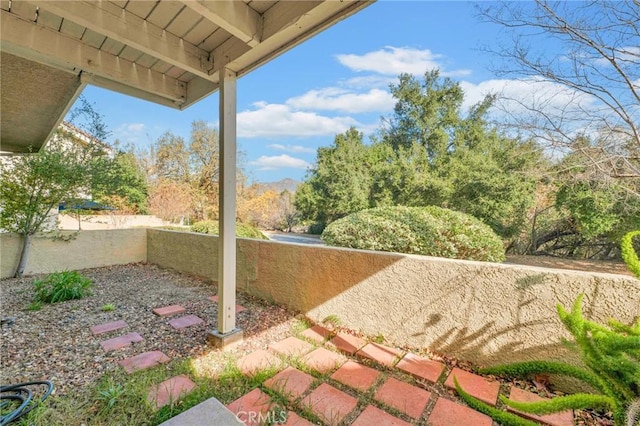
[
  {"x": 336, "y": 99},
  {"x": 368, "y": 82},
  {"x": 278, "y": 120},
  {"x": 292, "y": 148},
  {"x": 396, "y": 60},
  {"x": 534, "y": 92},
  {"x": 279, "y": 162},
  {"x": 130, "y": 132}
]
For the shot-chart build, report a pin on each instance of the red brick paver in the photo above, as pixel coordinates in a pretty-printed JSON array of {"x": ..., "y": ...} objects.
[
  {"x": 356, "y": 375},
  {"x": 169, "y": 310},
  {"x": 106, "y": 328},
  {"x": 290, "y": 382},
  {"x": 449, "y": 413},
  {"x": 381, "y": 354},
  {"x": 346, "y": 343},
  {"x": 185, "y": 321},
  {"x": 323, "y": 360},
  {"x": 295, "y": 420},
  {"x": 317, "y": 334},
  {"x": 475, "y": 385},
  {"x": 170, "y": 391},
  {"x": 330, "y": 404},
  {"x": 291, "y": 346},
  {"x": 121, "y": 341},
  {"x": 420, "y": 367},
  {"x": 143, "y": 361},
  {"x": 375, "y": 416},
  {"x": 564, "y": 418},
  {"x": 258, "y": 360},
  {"x": 251, "y": 408},
  {"x": 402, "y": 396}
]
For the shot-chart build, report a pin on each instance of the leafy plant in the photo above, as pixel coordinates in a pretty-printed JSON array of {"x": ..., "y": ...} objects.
[
  {"x": 110, "y": 395},
  {"x": 611, "y": 365},
  {"x": 429, "y": 231},
  {"x": 242, "y": 229},
  {"x": 61, "y": 286},
  {"x": 108, "y": 307},
  {"x": 35, "y": 305},
  {"x": 629, "y": 254}
]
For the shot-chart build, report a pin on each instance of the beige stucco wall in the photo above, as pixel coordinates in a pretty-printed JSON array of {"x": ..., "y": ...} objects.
[
  {"x": 483, "y": 312},
  {"x": 86, "y": 249}
]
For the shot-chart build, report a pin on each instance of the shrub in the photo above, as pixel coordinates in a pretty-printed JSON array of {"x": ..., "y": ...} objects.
[
  {"x": 611, "y": 365},
  {"x": 629, "y": 253},
  {"x": 242, "y": 229},
  {"x": 429, "y": 231},
  {"x": 61, "y": 286}
]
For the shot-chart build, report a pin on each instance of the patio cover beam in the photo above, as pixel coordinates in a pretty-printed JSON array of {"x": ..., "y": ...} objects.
[
  {"x": 47, "y": 46},
  {"x": 120, "y": 25},
  {"x": 235, "y": 17}
]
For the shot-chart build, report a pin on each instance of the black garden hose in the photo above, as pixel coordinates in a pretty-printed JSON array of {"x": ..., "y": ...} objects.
[{"x": 22, "y": 395}]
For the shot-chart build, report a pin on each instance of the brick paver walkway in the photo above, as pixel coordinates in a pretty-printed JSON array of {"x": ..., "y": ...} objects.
[{"x": 344, "y": 380}]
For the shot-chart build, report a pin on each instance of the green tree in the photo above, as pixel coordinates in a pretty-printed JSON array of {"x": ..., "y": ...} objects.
[
  {"x": 339, "y": 183},
  {"x": 33, "y": 185},
  {"x": 122, "y": 183}
]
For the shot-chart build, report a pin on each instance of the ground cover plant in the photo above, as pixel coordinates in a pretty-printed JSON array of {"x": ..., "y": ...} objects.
[
  {"x": 429, "y": 231},
  {"x": 611, "y": 365},
  {"x": 62, "y": 286}
]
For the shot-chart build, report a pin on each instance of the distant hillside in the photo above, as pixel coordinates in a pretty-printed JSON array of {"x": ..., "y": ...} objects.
[{"x": 279, "y": 186}]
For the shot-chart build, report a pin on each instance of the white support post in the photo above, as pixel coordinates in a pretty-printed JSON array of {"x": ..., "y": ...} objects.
[{"x": 227, "y": 332}]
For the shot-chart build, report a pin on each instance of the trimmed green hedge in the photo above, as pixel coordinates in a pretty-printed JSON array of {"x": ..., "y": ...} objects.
[
  {"x": 429, "y": 231},
  {"x": 242, "y": 229},
  {"x": 629, "y": 254}
]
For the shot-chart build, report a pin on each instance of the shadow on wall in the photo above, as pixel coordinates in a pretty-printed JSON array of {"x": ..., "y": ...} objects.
[{"x": 482, "y": 312}]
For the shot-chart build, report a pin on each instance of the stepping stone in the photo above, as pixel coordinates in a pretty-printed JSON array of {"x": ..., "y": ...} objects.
[
  {"x": 239, "y": 308},
  {"x": 295, "y": 420},
  {"x": 251, "y": 408},
  {"x": 563, "y": 418},
  {"x": 421, "y": 368},
  {"x": 143, "y": 361},
  {"x": 211, "y": 409},
  {"x": 186, "y": 321},
  {"x": 404, "y": 397},
  {"x": 170, "y": 390},
  {"x": 258, "y": 360},
  {"x": 317, "y": 334},
  {"x": 383, "y": 355},
  {"x": 447, "y": 413},
  {"x": 106, "y": 328},
  {"x": 121, "y": 341},
  {"x": 346, "y": 343},
  {"x": 169, "y": 310},
  {"x": 290, "y": 382},
  {"x": 356, "y": 376},
  {"x": 475, "y": 385},
  {"x": 291, "y": 346},
  {"x": 375, "y": 416},
  {"x": 329, "y": 404},
  {"x": 323, "y": 360}
]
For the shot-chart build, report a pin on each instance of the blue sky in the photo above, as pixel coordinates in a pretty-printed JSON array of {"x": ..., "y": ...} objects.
[{"x": 302, "y": 99}]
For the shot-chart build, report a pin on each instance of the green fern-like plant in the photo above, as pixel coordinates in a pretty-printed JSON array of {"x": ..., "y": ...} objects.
[
  {"x": 611, "y": 365},
  {"x": 629, "y": 254}
]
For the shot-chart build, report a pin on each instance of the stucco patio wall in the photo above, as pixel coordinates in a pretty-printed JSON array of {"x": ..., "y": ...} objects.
[
  {"x": 486, "y": 313},
  {"x": 86, "y": 249}
]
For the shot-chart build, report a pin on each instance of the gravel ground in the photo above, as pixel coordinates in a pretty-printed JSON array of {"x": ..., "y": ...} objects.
[{"x": 55, "y": 343}]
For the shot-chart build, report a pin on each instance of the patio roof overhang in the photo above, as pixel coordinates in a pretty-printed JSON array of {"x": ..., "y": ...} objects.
[
  {"x": 167, "y": 52},
  {"x": 171, "y": 52}
]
